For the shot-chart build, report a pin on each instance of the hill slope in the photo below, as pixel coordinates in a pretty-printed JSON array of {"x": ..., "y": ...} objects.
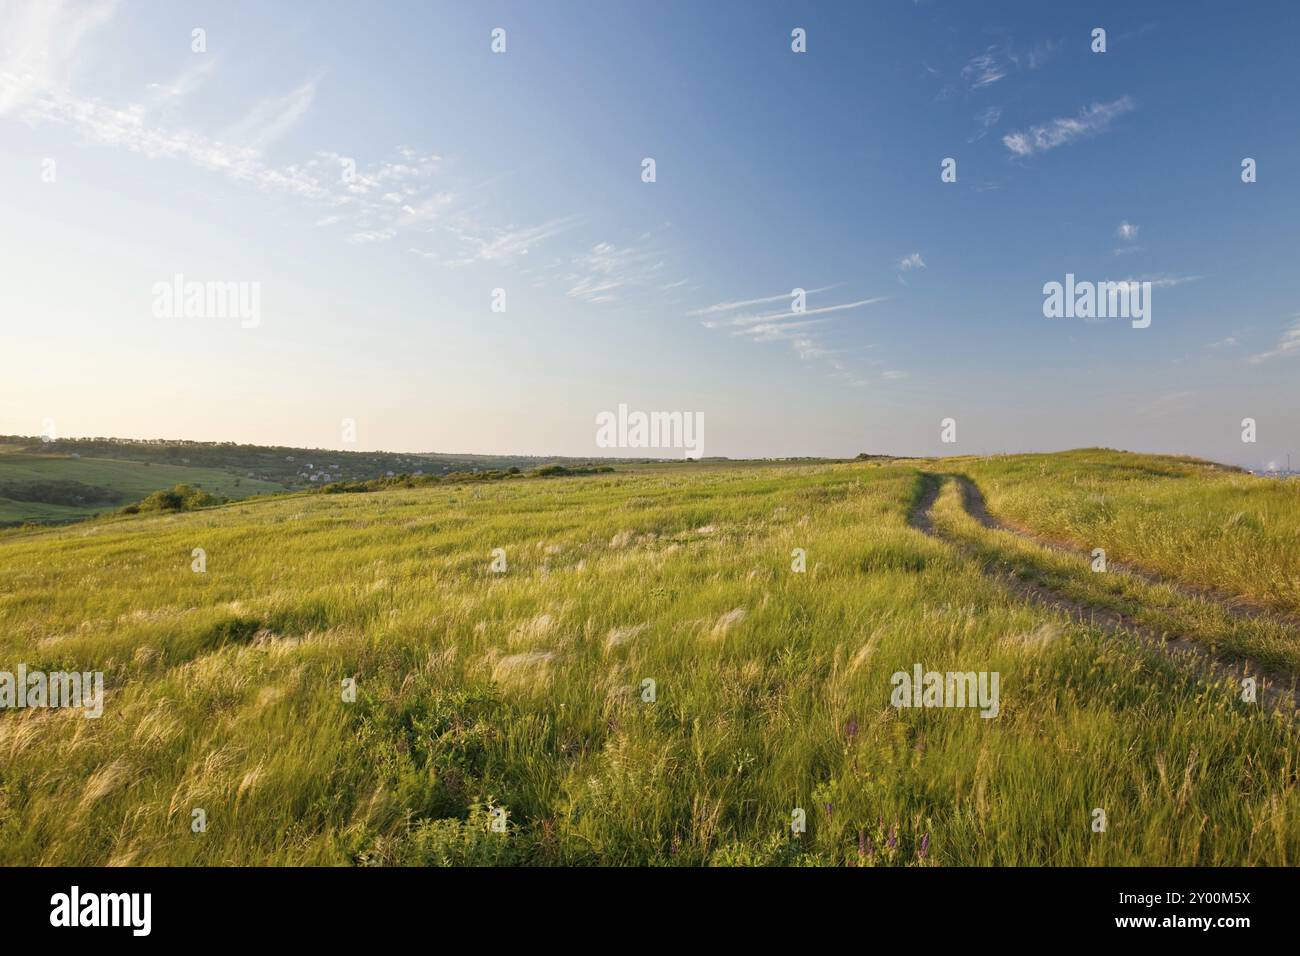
[
  {"x": 50, "y": 489},
  {"x": 641, "y": 674}
]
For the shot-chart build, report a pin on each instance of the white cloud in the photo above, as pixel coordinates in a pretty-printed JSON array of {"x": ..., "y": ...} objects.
[
  {"x": 605, "y": 268},
  {"x": 373, "y": 235},
  {"x": 1127, "y": 231},
  {"x": 1288, "y": 344},
  {"x": 38, "y": 46},
  {"x": 170, "y": 94},
  {"x": 1037, "y": 54},
  {"x": 910, "y": 262},
  {"x": 987, "y": 118},
  {"x": 427, "y": 207},
  {"x": 1058, "y": 132},
  {"x": 271, "y": 118},
  {"x": 777, "y": 331},
  {"x": 1162, "y": 280},
  {"x": 984, "y": 69},
  {"x": 996, "y": 62},
  {"x": 752, "y": 320},
  {"x": 786, "y": 326},
  {"x": 740, "y": 304},
  {"x": 41, "y": 42},
  {"x": 492, "y": 244}
]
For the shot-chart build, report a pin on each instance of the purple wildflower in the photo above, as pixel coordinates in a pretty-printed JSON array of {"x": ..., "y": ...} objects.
[
  {"x": 925, "y": 846},
  {"x": 892, "y": 842}
]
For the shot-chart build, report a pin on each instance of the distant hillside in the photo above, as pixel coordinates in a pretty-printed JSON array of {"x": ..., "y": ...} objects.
[
  {"x": 57, "y": 488},
  {"x": 74, "y": 478}
]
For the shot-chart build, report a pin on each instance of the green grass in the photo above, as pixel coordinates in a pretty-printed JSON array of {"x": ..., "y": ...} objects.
[
  {"x": 133, "y": 479},
  {"x": 1273, "y": 643},
  {"x": 1203, "y": 523},
  {"x": 522, "y": 690}
]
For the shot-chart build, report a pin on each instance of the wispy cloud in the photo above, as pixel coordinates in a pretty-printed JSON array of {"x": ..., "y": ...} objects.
[
  {"x": 1162, "y": 280},
  {"x": 998, "y": 61},
  {"x": 372, "y": 235},
  {"x": 908, "y": 263},
  {"x": 1063, "y": 130},
  {"x": 729, "y": 306},
  {"x": 752, "y": 320},
  {"x": 1036, "y": 55},
  {"x": 1287, "y": 344},
  {"x": 42, "y": 43},
  {"x": 1127, "y": 232},
  {"x": 604, "y": 271},
  {"x": 272, "y": 117},
  {"x": 987, "y": 118},
  {"x": 39, "y": 47},
  {"x": 984, "y": 69},
  {"x": 786, "y": 325},
  {"x": 369, "y": 201},
  {"x": 189, "y": 80},
  {"x": 504, "y": 244}
]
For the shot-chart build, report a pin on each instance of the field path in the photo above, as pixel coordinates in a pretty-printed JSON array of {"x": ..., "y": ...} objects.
[
  {"x": 1273, "y": 689},
  {"x": 1233, "y": 605}
]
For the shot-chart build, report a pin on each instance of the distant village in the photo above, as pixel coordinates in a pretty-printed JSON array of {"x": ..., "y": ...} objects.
[
  {"x": 1273, "y": 470},
  {"x": 282, "y": 465},
  {"x": 333, "y": 471}
]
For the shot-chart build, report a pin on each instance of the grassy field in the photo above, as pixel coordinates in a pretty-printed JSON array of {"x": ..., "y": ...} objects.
[
  {"x": 523, "y": 692},
  {"x": 133, "y": 480},
  {"x": 1204, "y": 523}
]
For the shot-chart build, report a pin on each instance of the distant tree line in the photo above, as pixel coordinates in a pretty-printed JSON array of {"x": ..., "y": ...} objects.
[
  {"x": 423, "y": 481},
  {"x": 55, "y": 491}
]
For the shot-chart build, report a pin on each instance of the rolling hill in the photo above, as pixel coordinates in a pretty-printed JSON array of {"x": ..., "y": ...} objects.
[{"x": 673, "y": 665}]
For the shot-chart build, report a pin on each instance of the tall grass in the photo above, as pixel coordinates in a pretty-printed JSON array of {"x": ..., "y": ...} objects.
[
  {"x": 1205, "y": 524},
  {"x": 522, "y": 692}
]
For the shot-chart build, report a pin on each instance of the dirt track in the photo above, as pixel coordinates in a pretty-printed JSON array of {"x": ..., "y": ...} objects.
[{"x": 1273, "y": 689}]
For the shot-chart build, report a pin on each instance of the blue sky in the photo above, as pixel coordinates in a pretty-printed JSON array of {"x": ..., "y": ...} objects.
[{"x": 775, "y": 170}]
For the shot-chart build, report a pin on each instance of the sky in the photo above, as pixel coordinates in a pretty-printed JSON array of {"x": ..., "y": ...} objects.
[{"x": 456, "y": 248}]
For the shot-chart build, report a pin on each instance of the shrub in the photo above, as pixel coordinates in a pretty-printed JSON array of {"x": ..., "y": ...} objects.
[{"x": 180, "y": 498}]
